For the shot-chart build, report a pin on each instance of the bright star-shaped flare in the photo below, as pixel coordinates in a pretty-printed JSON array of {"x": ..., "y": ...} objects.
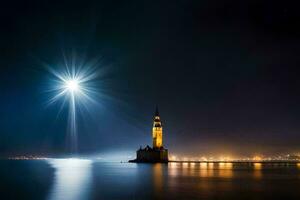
[{"x": 73, "y": 85}]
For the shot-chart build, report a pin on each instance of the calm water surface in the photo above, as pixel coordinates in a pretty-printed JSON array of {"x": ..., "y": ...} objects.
[{"x": 74, "y": 179}]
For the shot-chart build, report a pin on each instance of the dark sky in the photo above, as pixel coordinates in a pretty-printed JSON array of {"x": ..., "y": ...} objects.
[{"x": 225, "y": 75}]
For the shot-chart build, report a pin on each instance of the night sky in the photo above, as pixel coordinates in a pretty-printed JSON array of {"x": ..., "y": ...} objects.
[{"x": 224, "y": 74}]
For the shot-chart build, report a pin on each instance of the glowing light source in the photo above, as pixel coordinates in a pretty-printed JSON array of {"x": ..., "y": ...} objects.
[{"x": 73, "y": 85}]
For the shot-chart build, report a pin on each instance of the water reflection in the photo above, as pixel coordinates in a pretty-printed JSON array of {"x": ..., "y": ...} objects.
[
  {"x": 72, "y": 179},
  {"x": 210, "y": 165},
  {"x": 257, "y": 170},
  {"x": 225, "y": 170},
  {"x": 204, "y": 171},
  {"x": 222, "y": 170},
  {"x": 158, "y": 179},
  {"x": 203, "y": 165},
  {"x": 173, "y": 169}
]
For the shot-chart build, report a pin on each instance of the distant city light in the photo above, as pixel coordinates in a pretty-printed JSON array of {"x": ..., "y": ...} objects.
[{"x": 257, "y": 158}]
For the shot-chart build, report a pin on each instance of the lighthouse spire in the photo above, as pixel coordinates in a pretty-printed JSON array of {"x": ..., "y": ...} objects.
[
  {"x": 157, "y": 131},
  {"x": 156, "y": 111}
]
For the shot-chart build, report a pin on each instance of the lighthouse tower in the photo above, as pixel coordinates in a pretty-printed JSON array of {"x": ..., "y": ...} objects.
[
  {"x": 156, "y": 154},
  {"x": 157, "y": 131}
]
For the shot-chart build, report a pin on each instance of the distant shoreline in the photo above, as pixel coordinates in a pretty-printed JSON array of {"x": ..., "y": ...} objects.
[
  {"x": 241, "y": 161},
  {"x": 233, "y": 162}
]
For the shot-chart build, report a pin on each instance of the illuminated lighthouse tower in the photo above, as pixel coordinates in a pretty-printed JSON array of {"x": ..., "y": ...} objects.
[
  {"x": 156, "y": 154},
  {"x": 157, "y": 131}
]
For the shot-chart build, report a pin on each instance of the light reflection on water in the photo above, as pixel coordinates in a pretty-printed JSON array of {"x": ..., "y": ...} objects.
[
  {"x": 257, "y": 170},
  {"x": 222, "y": 170},
  {"x": 83, "y": 179},
  {"x": 72, "y": 179},
  {"x": 158, "y": 180}
]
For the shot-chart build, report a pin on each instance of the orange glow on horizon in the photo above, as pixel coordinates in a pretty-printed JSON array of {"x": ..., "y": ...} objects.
[{"x": 257, "y": 158}]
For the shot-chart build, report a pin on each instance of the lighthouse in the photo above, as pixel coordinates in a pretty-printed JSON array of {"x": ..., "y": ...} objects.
[
  {"x": 157, "y": 131},
  {"x": 157, "y": 153}
]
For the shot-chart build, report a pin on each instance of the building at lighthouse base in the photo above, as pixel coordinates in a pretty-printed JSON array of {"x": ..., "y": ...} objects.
[{"x": 151, "y": 155}]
